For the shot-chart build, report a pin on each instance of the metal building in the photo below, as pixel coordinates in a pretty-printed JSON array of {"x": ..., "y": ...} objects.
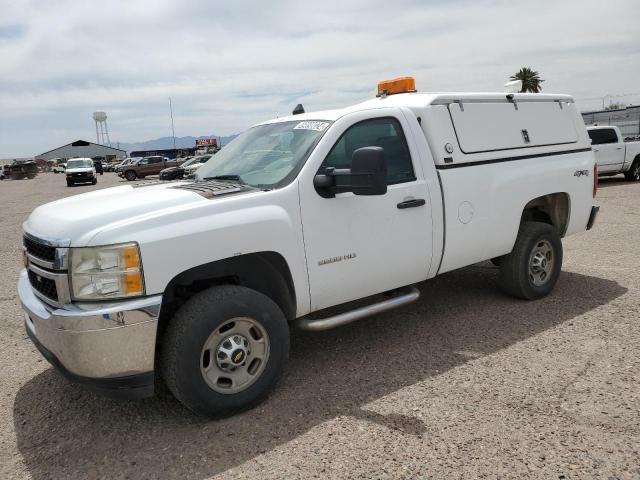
[
  {"x": 82, "y": 148},
  {"x": 626, "y": 119}
]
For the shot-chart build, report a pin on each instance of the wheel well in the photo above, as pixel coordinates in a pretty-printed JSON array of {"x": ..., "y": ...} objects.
[
  {"x": 265, "y": 272},
  {"x": 552, "y": 209}
]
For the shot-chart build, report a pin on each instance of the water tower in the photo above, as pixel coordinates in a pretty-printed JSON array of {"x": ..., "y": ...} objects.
[{"x": 101, "y": 128}]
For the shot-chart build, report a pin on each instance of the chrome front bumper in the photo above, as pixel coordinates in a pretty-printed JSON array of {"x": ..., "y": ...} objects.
[{"x": 111, "y": 345}]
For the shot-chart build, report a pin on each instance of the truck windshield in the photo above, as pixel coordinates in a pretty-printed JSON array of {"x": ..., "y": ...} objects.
[
  {"x": 264, "y": 155},
  {"x": 79, "y": 164}
]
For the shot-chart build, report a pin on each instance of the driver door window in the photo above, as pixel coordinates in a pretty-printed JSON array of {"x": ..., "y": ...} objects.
[{"x": 379, "y": 132}]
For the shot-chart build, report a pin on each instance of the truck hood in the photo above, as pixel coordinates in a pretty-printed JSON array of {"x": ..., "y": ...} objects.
[{"x": 76, "y": 220}]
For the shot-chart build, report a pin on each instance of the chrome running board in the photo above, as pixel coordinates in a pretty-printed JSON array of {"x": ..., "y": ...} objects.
[{"x": 316, "y": 325}]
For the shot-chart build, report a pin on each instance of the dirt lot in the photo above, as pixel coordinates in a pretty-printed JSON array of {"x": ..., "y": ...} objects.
[{"x": 466, "y": 383}]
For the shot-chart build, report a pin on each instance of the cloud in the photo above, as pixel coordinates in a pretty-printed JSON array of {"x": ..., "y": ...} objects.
[{"x": 227, "y": 65}]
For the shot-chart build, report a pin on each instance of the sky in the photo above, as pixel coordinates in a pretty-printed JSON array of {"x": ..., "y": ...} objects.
[{"x": 228, "y": 65}]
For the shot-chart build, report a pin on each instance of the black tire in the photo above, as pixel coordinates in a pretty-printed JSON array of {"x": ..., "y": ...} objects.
[
  {"x": 183, "y": 342},
  {"x": 130, "y": 175},
  {"x": 95, "y": 180},
  {"x": 69, "y": 184},
  {"x": 633, "y": 175},
  {"x": 516, "y": 275}
]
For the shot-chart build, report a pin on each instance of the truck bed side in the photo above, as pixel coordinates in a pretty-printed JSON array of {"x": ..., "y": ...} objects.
[{"x": 486, "y": 193}]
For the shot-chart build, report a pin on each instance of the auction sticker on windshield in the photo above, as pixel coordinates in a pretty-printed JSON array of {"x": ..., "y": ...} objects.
[{"x": 312, "y": 125}]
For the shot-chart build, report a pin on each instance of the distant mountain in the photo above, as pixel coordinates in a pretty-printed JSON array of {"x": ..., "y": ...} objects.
[{"x": 167, "y": 142}]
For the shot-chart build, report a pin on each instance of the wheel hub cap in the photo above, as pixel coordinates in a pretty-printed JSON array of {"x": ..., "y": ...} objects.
[
  {"x": 541, "y": 263},
  {"x": 235, "y": 355},
  {"x": 232, "y": 352}
]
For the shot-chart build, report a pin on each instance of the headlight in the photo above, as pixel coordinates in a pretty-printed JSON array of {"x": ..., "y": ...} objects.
[{"x": 103, "y": 273}]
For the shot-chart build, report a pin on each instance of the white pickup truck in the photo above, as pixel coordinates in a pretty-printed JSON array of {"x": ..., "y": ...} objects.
[
  {"x": 202, "y": 279},
  {"x": 613, "y": 154}
]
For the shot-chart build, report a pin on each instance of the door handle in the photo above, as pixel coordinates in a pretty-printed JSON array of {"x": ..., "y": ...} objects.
[
  {"x": 596, "y": 149},
  {"x": 618, "y": 148},
  {"x": 416, "y": 202}
]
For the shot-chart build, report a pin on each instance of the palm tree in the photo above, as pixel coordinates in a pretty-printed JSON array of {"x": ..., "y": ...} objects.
[{"x": 531, "y": 81}]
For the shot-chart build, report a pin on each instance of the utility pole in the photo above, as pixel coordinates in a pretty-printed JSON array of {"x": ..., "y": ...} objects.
[{"x": 173, "y": 132}]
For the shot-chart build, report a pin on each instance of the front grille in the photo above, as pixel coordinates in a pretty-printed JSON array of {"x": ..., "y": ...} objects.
[
  {"x": 44, "y": 286},
  {"x": 44, "y": 252},
  {"x": 81, "y": 174}
]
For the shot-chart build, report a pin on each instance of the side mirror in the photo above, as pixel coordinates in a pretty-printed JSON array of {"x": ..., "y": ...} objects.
[
  {"x": 367, "y": 175},
  {"x": 369, "y": 171}
]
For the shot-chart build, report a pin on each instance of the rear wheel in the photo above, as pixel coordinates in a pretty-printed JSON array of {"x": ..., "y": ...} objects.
[
  {"x": 532, "y": 268},
  {"x": 130, "y": 175},
  {"x": 225, "y": 350},
  {"x": 633, "y": 175}
]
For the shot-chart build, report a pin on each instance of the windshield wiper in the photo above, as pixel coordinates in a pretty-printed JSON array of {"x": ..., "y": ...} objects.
[{"x": 235, "y": 178}]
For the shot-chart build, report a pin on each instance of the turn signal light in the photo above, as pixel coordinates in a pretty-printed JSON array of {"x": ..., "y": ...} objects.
[
  {"x": 131, "y": 257},
  {"x": 397, "y": 85},
  {"x": 133, "y": 283}
]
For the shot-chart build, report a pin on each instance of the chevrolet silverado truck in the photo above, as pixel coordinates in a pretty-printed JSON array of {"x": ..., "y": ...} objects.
[
  {"x": 613, "y": 154},
  {"x": 145, "y": 166},
  {"x": 296, "y": 215}
]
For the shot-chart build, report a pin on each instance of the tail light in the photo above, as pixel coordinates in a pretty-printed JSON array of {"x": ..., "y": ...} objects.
[{"x": 595, "y": 180}]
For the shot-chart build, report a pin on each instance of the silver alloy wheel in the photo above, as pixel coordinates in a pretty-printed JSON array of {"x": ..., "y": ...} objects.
[
  {"x": 235, "y": 355},
  {"x": 541, "y": 263}
]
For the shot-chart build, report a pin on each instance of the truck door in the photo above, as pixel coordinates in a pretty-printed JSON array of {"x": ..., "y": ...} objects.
[
  {"x": 358, "y": 246},
  {"x": 608, "y": 149}
]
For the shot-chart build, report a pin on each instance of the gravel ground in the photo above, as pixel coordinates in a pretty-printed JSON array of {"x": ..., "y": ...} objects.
[{"x": 465, "y": 383}]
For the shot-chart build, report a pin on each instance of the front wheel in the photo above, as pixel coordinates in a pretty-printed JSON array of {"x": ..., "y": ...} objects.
[
  {"x": 633, "y": 175},
  {"x": 130, "y": 175},
  {"x": 225, "y": 350},
  {"x": 532, "y": 268}
]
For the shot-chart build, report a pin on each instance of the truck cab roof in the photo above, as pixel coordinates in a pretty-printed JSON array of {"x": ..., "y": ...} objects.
[{"x": 417, "y": 100}]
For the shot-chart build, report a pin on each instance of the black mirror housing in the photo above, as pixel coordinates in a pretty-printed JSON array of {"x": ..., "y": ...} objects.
[
  {"x": 369, "y": 171},
  {"x": 367, "y": 175}
]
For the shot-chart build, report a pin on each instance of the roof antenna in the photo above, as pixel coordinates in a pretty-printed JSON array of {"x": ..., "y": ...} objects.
[{"x": 298, "y": 110}]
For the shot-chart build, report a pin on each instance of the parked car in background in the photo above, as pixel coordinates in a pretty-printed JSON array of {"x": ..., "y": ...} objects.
[
  {"x": 2, "y": 176},
  {"x": 613, "y": 154},
  {"x": 126, "y": 161},
  {"x": 110, "y": 166},
  {"x": 81, "y": 170},
  {"x": 21, "y": 169},
  {"x": 145, "y": 166},
  {"x": 60, "y": 168},
  {"x": 184, "y": 170}
]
